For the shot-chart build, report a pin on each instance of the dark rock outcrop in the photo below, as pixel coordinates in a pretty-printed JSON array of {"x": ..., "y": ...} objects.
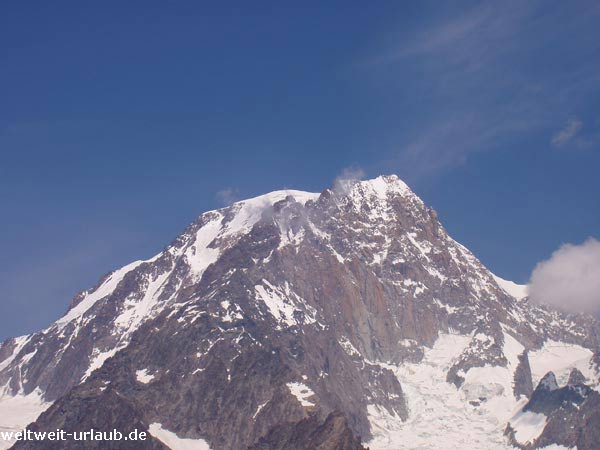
[
  {"x": 572, "y": 412},
  {"x": 576, "y": 378},
  {"x": 311, "y": 434},
  {"x": 85, "y": 410},
  {"x": 523, "y": 384}
]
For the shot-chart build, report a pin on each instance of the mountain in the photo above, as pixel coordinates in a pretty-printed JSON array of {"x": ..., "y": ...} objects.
[
  {"x": 569, "y": 415},
  {"x": 337, "y": 320}
]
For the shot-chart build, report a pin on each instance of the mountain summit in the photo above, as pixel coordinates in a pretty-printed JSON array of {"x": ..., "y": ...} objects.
[{"x": 303, "y": 320}]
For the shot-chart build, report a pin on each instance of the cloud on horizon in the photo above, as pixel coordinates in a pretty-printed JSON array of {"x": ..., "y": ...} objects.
[{"x": 570, "y": 279}]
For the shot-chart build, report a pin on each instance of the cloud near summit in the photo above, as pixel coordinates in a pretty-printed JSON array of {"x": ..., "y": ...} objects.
[{"x": 570, "y": 278}]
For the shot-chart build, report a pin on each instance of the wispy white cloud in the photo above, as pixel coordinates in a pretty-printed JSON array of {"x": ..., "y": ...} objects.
[
  {"x": 570, "y": 278},
  {"x": 466, "y": 41},
  {"x": 478, "y": 84},
  {"x": 344, "y": 181},
  {"x": 567, "y": 133},
  {"x": 227, "y": 196},
  {"x": 443, "y": 38},
  {"x": 459, "y": 57},
  {"x": 448, "y": 142}
]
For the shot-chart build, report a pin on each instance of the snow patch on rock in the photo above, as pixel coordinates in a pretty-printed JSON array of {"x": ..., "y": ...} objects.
[
  {"x": 200, "y": 255},
  {"x": 98, "y": 358},
  {"x": 528, "y": 426},
  {"x": 135, "y": 312},
  {"x": 174, "y": 442},
  {"x": 19, "y": 343},
  {"x": 143, "y": 376},
  {"x": 302, "y": 392},
  {"x": 284, "y": 305}
]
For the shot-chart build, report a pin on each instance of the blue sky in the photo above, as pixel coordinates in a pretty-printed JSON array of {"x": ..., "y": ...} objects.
[{"x": 120, "y": 122}]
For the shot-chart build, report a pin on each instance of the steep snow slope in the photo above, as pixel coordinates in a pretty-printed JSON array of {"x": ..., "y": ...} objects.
[
  {"x": 518, "y": 291},
  {"x": 18, "y": 411}
]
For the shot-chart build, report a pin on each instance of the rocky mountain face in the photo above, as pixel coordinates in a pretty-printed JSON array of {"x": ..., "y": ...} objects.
[
  {"x": 300, "y": 320},
  {"x": 309, "y": 434}
]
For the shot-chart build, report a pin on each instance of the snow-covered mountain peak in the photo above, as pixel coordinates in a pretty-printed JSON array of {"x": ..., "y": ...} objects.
[
  {"x": 240, "y": 216},
  {"x": 383, "y": 185},
  {"x": 247, "y": 212},
  {"x": 376, "y": 189}
]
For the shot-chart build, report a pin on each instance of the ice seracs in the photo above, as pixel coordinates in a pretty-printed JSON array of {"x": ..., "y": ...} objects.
[{"x": 443, "y": 416}]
